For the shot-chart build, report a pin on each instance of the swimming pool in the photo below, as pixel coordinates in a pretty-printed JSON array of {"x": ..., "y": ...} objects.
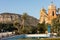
[{"x": 26, "y": 37}]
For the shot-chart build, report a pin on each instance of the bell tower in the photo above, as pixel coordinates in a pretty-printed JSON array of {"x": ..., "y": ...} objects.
[{"x": 51, "y": 12}]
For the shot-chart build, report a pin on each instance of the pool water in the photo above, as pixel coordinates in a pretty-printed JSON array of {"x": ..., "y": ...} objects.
[{"x": 20, "y": 37}]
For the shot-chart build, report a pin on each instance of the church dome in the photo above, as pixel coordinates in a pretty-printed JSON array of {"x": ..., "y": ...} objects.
[{"x": 52, "y": 6}]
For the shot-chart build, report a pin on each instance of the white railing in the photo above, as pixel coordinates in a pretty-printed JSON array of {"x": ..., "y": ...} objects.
[{"x": 37, "y": 35}]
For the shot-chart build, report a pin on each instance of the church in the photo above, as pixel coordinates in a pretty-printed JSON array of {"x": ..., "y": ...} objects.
[{"x": 49, "y": 15}]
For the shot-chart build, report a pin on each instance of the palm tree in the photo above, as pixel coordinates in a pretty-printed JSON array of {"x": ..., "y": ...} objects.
[{"x": 24, "y": 17}]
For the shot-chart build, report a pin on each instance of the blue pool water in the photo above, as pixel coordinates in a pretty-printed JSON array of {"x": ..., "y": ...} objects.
[
  {"x": 18, "y": 37},
  {"x": 13, "y": 37}
]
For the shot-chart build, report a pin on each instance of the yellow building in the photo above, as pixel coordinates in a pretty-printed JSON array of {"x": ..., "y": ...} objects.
[{"x": 48, "y": 16}]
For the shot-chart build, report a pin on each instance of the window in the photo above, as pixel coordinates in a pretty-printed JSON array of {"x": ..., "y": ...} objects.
[{"x": 53, "y": 13}]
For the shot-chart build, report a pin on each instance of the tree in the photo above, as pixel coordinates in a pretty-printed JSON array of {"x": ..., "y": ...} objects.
[
  {"x": 58, "y": 10},
  {"x": 41, "y": 27},
  {"x": 17, "y": 25},
  {"x": 55, "y": 24},
  {"x": 21, "y": 28},
  {"x": 24, "y": 17},
  {"x": 1, "y": 27}
]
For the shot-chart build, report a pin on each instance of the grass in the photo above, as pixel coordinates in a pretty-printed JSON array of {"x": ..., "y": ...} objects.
[
  {"x": 39, "y": 39},
  {"x": 50, "y": 39}
]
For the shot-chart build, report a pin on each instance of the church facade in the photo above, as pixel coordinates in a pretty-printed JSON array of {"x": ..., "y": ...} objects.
[{"x": 49, "y": 15}]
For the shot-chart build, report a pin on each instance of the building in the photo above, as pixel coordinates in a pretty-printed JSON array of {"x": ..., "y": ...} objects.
[{"x": 49, "y": 15}]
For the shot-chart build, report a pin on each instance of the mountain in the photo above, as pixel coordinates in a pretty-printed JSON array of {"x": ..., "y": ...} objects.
[{"x": 11, "y": 17}]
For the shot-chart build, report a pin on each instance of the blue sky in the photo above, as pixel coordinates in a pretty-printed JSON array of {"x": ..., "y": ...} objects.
[{"x": 32, "y": 7}]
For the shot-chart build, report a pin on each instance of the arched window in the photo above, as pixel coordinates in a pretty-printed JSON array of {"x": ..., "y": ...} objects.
[{"x": 52, "y": 13}]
